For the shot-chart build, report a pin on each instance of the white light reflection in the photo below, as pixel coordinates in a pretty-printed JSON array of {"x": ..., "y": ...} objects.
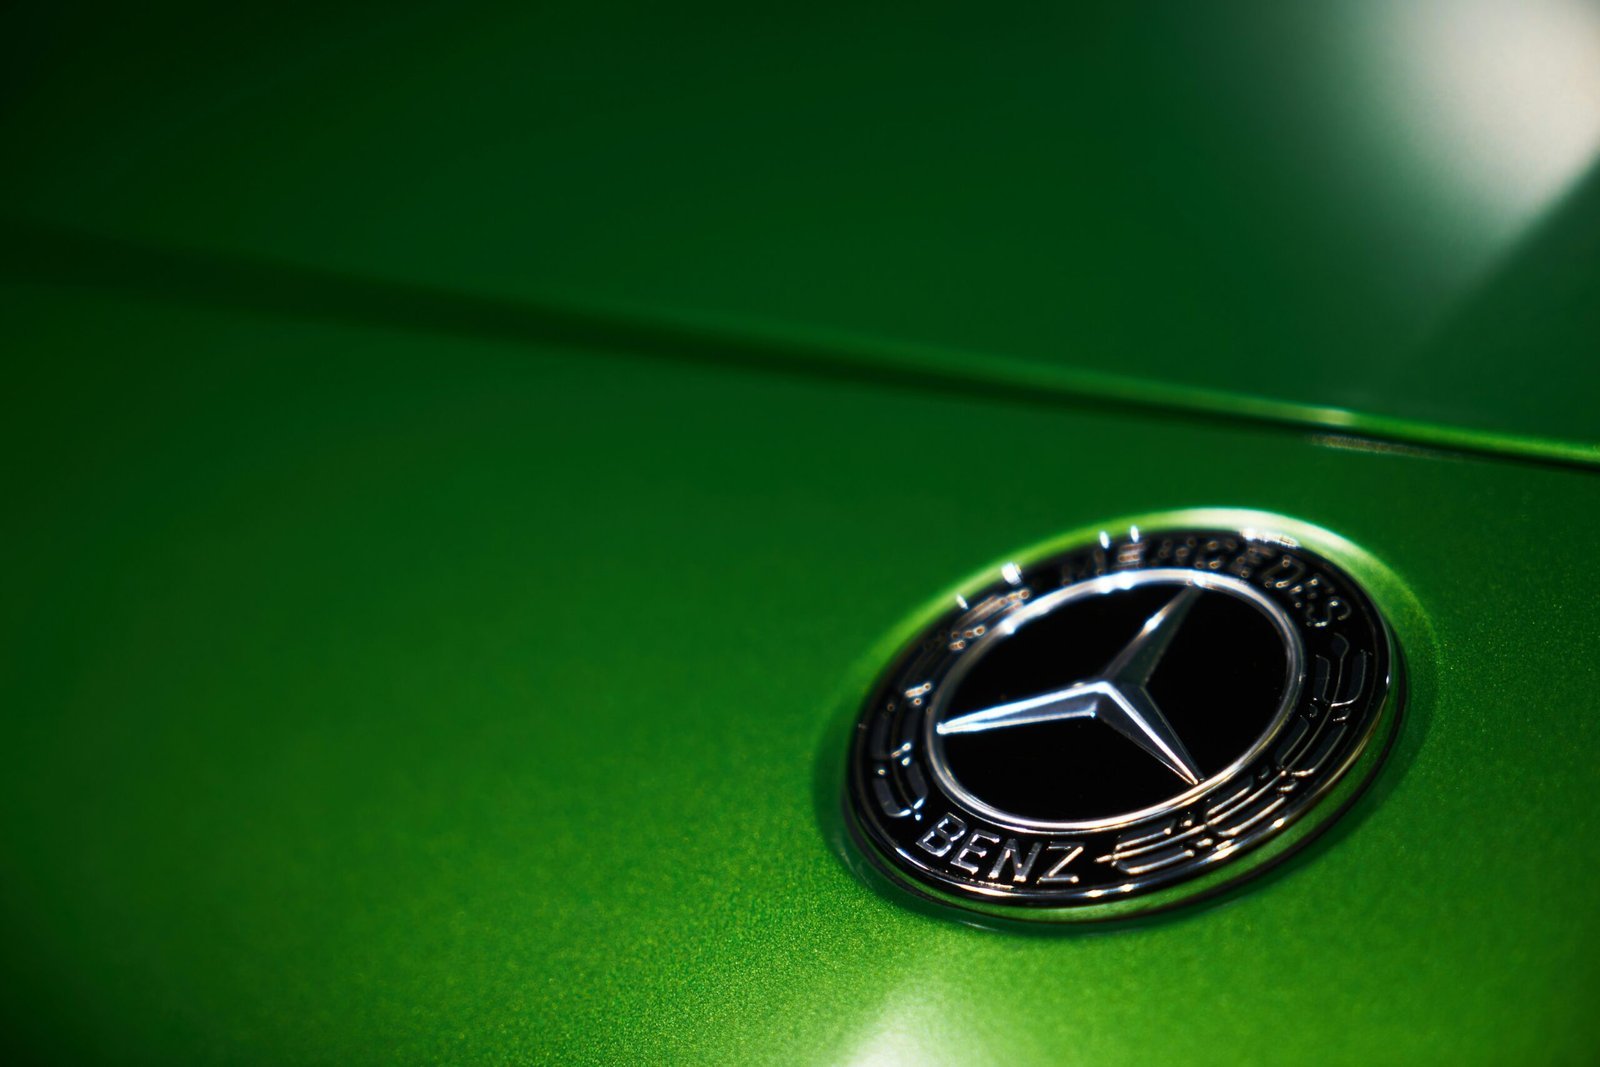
[
  {"x": 1499, "y": 100},
  {"x": 911, "y": 1030}
]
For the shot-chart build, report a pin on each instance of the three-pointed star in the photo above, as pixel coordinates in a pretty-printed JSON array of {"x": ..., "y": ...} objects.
[{"x": 1116, "y": 696}]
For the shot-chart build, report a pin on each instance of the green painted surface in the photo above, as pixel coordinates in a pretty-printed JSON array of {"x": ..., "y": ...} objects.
[
  {"x": 1362, "y": 206},
  {"x": 377, "y": 696},
  {"x": 458, "y": 465}
]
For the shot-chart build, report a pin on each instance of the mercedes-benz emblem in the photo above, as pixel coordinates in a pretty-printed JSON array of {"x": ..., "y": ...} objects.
[{"x": 1124, "y": 724}]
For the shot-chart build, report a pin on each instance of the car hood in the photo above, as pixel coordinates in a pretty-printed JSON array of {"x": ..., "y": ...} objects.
[{"x": 1349, "y": 216}]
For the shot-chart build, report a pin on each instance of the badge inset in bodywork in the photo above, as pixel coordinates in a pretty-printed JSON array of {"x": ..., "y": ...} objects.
[{"x": 1095, "y": 728}]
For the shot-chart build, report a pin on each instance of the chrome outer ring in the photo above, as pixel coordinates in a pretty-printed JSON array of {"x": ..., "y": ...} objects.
[{"x": 1326, "y": 741}]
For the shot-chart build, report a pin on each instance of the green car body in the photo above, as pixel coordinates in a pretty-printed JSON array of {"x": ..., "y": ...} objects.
[{"x": 463, "y": 470}]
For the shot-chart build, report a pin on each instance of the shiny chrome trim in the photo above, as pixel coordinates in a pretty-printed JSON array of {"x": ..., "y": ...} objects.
[{"x": 1117, "y": 696}]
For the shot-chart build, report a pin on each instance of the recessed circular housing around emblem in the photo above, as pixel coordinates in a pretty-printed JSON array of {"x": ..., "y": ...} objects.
[{"x": 1124, "y": 724}]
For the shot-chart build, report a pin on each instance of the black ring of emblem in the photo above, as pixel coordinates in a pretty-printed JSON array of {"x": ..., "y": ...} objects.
[{"x": 922, "y": 831}]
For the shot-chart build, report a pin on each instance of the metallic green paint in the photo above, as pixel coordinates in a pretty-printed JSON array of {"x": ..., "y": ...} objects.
[
  {"x": 1365, "y": 207},
  {"x": 34, "y": 254},
  {"x": 391, "y": 676},
  {"x": 381, "y": 696}
]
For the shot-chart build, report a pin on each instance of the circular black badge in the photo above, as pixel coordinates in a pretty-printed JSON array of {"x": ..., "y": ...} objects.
[{"x": 1136, "y": 712}]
